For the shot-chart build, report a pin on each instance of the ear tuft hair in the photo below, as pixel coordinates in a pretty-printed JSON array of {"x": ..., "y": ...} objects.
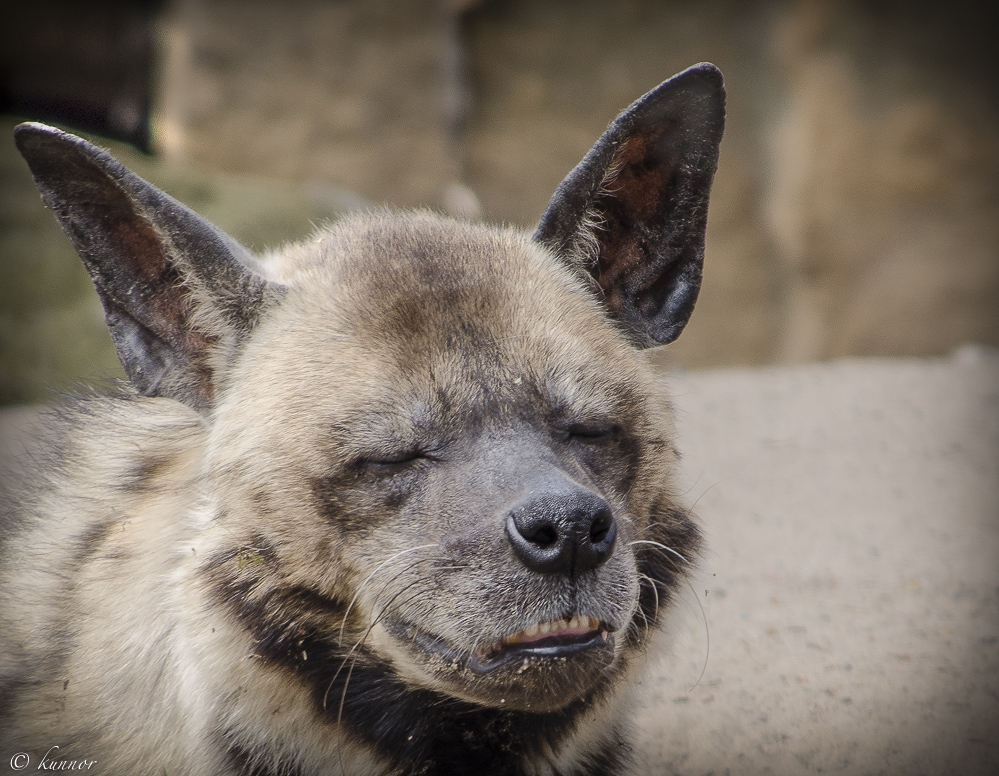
[{"x": 632, "y": 214}]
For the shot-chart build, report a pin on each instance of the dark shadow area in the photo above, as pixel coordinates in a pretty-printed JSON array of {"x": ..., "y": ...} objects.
[{"x": 85, "y": 64}]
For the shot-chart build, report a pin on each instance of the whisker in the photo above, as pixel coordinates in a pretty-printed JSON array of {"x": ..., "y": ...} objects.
[
  {"x": 374, "y": 622},
  {"x": 707, "y": 634},
  {"x": 377, "y": 568},
  {"x": 703, "y": 492},
  {"x": 642, "y": 611},
  {"x": 351, "y": 656},
  {"x": 685, "y": 512},
  {"x": 351, "y": 651},
  {"x": 409, "y": 567},
  {"x": 655, "y": 590},
  {"x": 661, "y": 546},
  {"x": 353, "y": 662},
  {"x": 700, "y": 606}
]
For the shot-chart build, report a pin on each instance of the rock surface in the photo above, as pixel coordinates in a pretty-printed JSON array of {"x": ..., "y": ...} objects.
[
  {"x": 854, "y": 208},
  {"x": 851, "y": 588}
]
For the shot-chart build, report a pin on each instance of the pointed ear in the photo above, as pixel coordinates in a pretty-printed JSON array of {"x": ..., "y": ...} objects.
[
  {"x": 176, "y": 291},
  {"x": 632, "y": 214}
]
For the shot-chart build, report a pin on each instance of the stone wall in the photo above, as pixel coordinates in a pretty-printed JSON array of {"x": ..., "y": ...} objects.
[
  {"x": 854, "y": 211},
  {"x": 855, "y": 205}
]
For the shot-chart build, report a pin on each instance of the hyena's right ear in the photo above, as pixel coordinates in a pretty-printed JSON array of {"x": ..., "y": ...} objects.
[
  {"x": 176, "y": 291},
  {"x": 632, "y": 214}
]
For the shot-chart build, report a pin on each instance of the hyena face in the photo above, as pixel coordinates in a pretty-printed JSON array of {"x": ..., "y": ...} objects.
[
  {"x": 434, "y": 472},
  {"x": 458, "y": 473}
]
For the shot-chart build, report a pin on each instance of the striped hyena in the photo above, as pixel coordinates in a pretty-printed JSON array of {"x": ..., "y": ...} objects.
[{"x": 400, "y": 502}]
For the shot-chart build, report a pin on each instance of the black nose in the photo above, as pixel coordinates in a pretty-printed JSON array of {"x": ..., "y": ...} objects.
[{"x": 567, "y": 531}]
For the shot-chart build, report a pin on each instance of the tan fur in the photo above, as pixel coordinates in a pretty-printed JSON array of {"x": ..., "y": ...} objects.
[
  {"x": 355, "y": 482},
  {"x": 268, "y": 432}
]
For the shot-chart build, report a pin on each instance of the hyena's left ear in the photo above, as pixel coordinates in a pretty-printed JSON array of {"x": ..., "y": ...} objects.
[
  {"x": 176, "y": 291},
  {"x": 633, "y": 212}
]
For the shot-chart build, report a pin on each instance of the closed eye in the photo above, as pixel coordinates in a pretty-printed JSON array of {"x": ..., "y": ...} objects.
[
  {"x": 590, "y": 433},
  {"x": 392, "y": 462}
]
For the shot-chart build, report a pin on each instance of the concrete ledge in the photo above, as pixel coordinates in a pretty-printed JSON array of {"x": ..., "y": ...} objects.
[{"x": 851, "y": 588}]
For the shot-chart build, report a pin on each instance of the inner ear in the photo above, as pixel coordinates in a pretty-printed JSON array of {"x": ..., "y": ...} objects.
[
  {"x": 649, "y": 237},
  {"x": 632, "y": 214},
  {"x": 177, "y": 291}
]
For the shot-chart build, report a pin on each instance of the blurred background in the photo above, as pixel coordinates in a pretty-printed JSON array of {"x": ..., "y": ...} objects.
[{"x": 855, "y": 210}]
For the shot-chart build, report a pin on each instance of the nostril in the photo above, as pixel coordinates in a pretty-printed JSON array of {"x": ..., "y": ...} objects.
[
  {"x": 538, "y": 543},
  {"x": 544, "y": 535},
  {"x": 600, "y": 527}
]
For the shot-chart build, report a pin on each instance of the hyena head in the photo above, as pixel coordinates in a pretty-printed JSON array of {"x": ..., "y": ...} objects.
[{"x": 437, "y": 463}]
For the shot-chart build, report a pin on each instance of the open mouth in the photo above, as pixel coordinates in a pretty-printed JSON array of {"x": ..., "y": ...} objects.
[
  {"x": 557, "y": 638},
  {"x": 553, "y": 639}
]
